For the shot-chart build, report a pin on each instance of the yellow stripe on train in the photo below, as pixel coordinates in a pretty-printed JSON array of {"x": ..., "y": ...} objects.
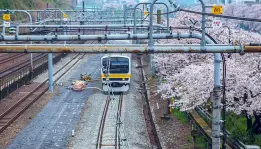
[{"x": 117, "y": 76}]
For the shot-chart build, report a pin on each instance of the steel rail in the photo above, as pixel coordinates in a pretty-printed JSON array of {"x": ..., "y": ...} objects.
[
  {"x": 118, "y": 123},
  {"x": 6, "y": 124},
  {"x": 2, "y": 61},
  {"x": 9, "y": 71},
  {"x": 3, "y": 55},
  {"x": 102, "y": 123}
]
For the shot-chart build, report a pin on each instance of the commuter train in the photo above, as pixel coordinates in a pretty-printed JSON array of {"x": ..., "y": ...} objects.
[{"x": 116, "y": 72}]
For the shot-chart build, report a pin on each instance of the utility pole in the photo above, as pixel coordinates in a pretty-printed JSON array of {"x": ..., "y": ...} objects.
[
  {"x": 50, "y": 65},
  {"x": 50, "y": 71},
  {"x": 151, "y": 41},
  {"x": 83, "y": 11},
  {"x": 216, "y": 102}
]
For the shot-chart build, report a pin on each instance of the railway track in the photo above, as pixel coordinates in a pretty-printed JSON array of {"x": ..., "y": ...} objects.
[
  {"x": 13, "y": 112},
  {"x": 118, "y": 124},
  {"x": 7, "y": 57},
  {"x": 109, "y": 130},
  {"x": 3, "y": 55},
  {"x": 19, "y": 66}
]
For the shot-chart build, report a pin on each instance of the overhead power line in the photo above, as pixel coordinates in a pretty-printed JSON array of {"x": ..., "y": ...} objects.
[
  {"x": 210, "y": 14},
  {"x": 223, "y": 16}
]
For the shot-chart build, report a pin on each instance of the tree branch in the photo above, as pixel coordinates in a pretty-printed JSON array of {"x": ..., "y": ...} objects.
[{"x": 253, "y": 96}]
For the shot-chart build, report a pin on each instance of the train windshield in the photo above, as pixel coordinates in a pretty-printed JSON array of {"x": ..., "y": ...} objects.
[{"x": 117, "y": 64}]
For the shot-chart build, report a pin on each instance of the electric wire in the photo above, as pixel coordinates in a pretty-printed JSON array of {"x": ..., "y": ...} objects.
[{"x": 214, "y": 15}]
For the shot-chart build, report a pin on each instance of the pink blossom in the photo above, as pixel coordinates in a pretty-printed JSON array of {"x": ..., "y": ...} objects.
[{"x": 190, "y": 76}]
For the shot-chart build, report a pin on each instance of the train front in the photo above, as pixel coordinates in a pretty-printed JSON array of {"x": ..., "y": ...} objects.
[{"x": 116, "y": 73}]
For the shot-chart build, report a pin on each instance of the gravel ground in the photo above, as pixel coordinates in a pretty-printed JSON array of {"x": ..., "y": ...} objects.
[
  {"x": 4, "y": 55},
  {"x": 132, "y": 117},
  {"x": 9, "y": 134},
  {"x": 61, "y": 63},
  {"x": 88, "y": 126},
  {"x": 172, "y": 133},
  {"x": 24, "y": 90},
  {"x": 135, "y": 126},
  {"x": 14, "y": 129},
  {"x": 16, "y": 95},
  {"x": 52, "y": 127}
]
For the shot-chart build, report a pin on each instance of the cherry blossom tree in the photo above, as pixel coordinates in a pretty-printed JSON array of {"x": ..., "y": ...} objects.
[
  {"x": 190, "y": 76},
  {"x": 247, "y": 11}
]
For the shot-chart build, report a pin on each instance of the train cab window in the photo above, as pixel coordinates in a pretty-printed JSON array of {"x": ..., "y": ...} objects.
[{"x": 117, "y": 64}]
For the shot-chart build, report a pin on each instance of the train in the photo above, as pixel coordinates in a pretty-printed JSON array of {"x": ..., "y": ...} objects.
[{"x": 116, "y": 73}]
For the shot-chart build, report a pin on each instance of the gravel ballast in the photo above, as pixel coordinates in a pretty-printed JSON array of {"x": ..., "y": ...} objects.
[
  {"x": 52, "y": 127},
  {"x": 23, "y": 120},
  {"x": 55, "y": 126},
  {"x": 134, "y": 122},
  {"x": 133, "y": 128}
]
